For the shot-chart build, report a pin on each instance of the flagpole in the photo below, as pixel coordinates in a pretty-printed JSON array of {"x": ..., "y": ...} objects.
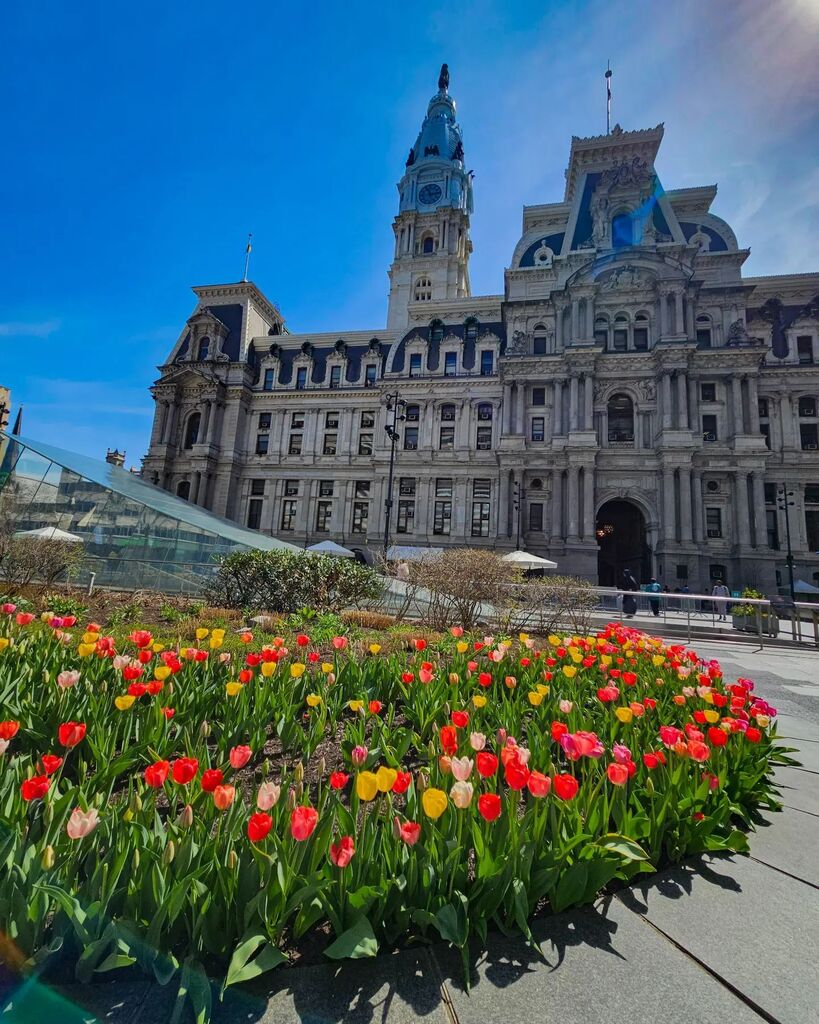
[
  {"x": 608, "y": 97},
  {"x": 247, "y": 256}
]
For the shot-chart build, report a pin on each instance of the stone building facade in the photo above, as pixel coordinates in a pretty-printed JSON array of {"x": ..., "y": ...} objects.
[{"x": 629, "y": 400}]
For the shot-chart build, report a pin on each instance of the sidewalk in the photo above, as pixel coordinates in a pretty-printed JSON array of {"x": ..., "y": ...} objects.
[{"x": 728, "y": 939}]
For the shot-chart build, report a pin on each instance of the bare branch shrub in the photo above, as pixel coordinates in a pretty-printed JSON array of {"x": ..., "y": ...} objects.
[
  {"x": 552, "y": 603},
  {"x": 452, "y": 588}
]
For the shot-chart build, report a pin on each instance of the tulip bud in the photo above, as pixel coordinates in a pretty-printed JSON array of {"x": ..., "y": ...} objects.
[
  {"x": 232, "y": 860},
  {"x": 136, "y": 859},
  {"x": 47, "y": 858},
  {"x": 204, "y": 730},
  {"x": 291, "y": 799},
  {"x": 331, "y": 678},
  {"x": 447, "y": 709},
  {"x": 128, "y": 814},
  {"x": 48, "y": 814},
  {"x": 396, "y": 827},
  {"x": 135, "y": 803},
  {"x": 421, "y": 782},
  {"x": 185, "y": 819},
  {"x": 298, "y": 772},
  {"x": 649, "y": 784},
  {"x": 453, "y": 678},
  {"x": 169, "y": 853},
  {"x": 322, "y": 767}
]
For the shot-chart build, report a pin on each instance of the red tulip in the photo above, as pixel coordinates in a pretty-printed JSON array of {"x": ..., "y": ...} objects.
[
  {"x": 131, "y": 672},
  {"x": 407, "y": 677},
  {"x": 71, "y": 733},
  {"x": 303, "y": 821},
  {"x": 8, "y": 730},
  {"x": 402, "y": 781},
  {"x": 650, "y": 760},
  {"x": 24, "y": 618},
  {"x": 460, "y": 718},
  {"x": 338, "y": 780},
  {"x": 410, "y": 832},
  {"x": 449, "y": 739},
  {"x": 717, "y": 737},
  {"x": 629, "y": 678},
  {"x": 184, "y": 769},
  {"x": 50, "y": 763},
  {"x": 211, "y": 778},
  {"x": 168, "y": 713},
  {"x": 617, "y": 773},
  {"x": 485, "y": 679},
  {"x": 341, "y": 853},
  {"x": 153, "y": 687},
  {"x": 670, "y": 735},
  {"x": 245, "y": 675},
  {"x": 559, "y": 729},
  {"x": 752, "y": 734},
  {"x": 517, "y": 774},
  {"x": 157, "y": 773},
  {"x": 698, "y": 751},
  {"x": 420, "y": 645},
  {"x": 486, "y": 763},
  {"x": 375, "y": 706},
  {"x": 489, "y": 806},
  {"x": 565, "y": 786},
  {"x": 239, "y": 756},
  {"x": 144, "y": 656},
  {"x": 34, "y": 788},
  {"x": 258, "y": 827},
  {"x": 302, "y": 640},
  {"x": 140, "y": 637},
  {"x": 137, "y": 690},
  {"x": 539, "y": 784}
]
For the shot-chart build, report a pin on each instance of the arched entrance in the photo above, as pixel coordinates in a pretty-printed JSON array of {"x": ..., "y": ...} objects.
[{"x": 622, "y": 543}]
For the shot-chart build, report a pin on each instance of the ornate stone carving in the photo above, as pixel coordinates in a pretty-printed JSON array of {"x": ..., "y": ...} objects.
[
  {"x": 625, "y": 279},
  {"x": 519, "y": 346},
  {"x": 543, "y": 255},
  {"x": 627, "y": 172}
]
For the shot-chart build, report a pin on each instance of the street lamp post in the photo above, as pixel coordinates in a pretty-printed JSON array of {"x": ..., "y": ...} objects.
[
  {"x": 519, "y": 494},
  {"x": 393, "y": 403},
  {"x": 784, "y": 504}
]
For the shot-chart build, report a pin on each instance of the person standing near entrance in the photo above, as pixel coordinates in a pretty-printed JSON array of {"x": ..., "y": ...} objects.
[
  {"x": 654, "y": 588},
  {"x": 721, "y": 591},
  {"x": 630, "y": 585}
]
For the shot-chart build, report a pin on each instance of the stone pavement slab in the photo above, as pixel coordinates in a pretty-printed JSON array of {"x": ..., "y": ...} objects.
[
  {"x": 806, "y": 752},
  {"x": 104, "y": 1002},
  {"x": 789, "y": 842},
  {"x": 602, "y": 964},
  {"x": 796, "y": 728},
  {"x": 753, "y": 926},
  {"x": 798, "y": 788}
]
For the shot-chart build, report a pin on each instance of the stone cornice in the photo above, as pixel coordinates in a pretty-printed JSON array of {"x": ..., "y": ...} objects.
[{"x": 239, "y": 290}]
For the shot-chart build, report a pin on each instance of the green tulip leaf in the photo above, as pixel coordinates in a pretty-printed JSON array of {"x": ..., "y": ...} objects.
[
  {"x": 243, "y": 968},
  {"x": 358, "y": 941}
]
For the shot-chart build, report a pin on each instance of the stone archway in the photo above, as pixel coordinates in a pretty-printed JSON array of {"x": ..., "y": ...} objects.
[{"x": 622, "y": 540}]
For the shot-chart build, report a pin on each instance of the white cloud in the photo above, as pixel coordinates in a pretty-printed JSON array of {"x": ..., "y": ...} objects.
[{"x": 23, "y": 329}]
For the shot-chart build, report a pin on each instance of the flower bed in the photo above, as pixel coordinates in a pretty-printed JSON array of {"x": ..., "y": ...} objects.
[{"x": 197, "y": 814}]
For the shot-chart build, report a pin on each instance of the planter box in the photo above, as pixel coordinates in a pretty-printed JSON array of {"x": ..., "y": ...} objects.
[{"x": 749, "y": 623}]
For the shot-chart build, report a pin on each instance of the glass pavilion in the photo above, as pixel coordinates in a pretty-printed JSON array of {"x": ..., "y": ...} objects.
[{"x": 135, "y": 535}]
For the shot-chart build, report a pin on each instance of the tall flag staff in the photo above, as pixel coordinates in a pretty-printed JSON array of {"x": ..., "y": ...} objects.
[
  {"x": 608, "y": 98},
  {"x": 248, "y": 251}
]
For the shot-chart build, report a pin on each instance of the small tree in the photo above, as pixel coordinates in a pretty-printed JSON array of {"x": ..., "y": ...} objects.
[{"x": 463, "y": 585}]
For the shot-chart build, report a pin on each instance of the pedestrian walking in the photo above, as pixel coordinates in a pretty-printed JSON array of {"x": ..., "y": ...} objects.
[
  {"x": 630, "y": 585},
  {"x": 654, "y": 588},
  {"x": 721, "y": 606}
]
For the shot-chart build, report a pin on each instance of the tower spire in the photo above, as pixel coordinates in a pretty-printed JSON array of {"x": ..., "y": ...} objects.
[
  {"x": 443, "y": 79},
  {"x": 248, "y": 251}
]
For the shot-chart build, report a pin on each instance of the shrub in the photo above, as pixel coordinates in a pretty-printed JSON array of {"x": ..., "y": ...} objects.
[
  {"x": 284, "y": 581},
  {"x": 552, "y": 602}
]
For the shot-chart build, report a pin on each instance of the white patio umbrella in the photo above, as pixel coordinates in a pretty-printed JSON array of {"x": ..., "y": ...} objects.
[
  {"x": 50, "y": 533},
  {"x": 528, "y": 561},
  {"x": 329, "y": 547},
  {"x": 801, "y": 587}
]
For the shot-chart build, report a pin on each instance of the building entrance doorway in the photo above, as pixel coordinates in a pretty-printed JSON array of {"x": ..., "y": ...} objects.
[{"x": 622, "y": 544}]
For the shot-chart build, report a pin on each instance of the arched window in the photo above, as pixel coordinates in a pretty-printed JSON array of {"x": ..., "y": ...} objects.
[
  {"x": 622, "y": 231},
  {"x": 412, "y": 413},
  {"x": 183, "y": 489},
  {"x": 192, "y": 430},
  {"x": 428, "y": 244},
  {"x": 436, "y": 332},
  {"x": 619, "y": 339},
  {"x": 703, "y": 326},
  {"x": 471, "y": 330},
  {"x": 540, "y": 340},
  {"x": 423, "y": 289},
  {"x": 448, "y": 413},
  {"x": 621, "y": 419},
  {"x": 204, "y": 348},
  {"x": 485, "y": 412},
  {"x": 641, "y": 332},
  {"x": 601, "y": 331}
]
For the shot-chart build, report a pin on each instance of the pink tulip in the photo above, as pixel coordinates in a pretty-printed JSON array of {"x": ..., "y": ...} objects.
[
  {"x": 565, "y": 706},
  {"x": 224, "y": 658},
  {"x": 8, "y": 608},
  {"x": 82, "y": 823},
  {"x": 4, "y": 746},
  {"x": 358, "y": 755},
  {"x": 621, "y": 753},
  {"x": 239, "y": 756},
  {"x": 340, "y": 642},
  {"x": 461, "y": 768},
  {"x": 268, "y": 796},
  {"x": 425, "y": 675},
  {"x": 461, "y": 794},
  {"x": 67, "y": 679},
  {"x": 477, "y": 740},
  {"x": 121, "y": 661},
  {"x": 456, "y": 631}
]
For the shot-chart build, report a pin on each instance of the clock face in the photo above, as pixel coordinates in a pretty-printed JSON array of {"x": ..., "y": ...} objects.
[{"x": 429, "y": 194}]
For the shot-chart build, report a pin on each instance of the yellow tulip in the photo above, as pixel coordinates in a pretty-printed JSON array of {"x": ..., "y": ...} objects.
[
  {"x": 162, "y": 672},
  {"x": 708, "y": 697},
  {"x": 479, "y": 700},
  {"x": 523, "y": 637},
  {"x": 535, "y": 698},
  {"x": 554, "y": 640},
  {"x": 711, "y": 717},
  {"x": 657, "y": 659},
  {"x": 366, "y": 785},
  {"x": 624, "y": 714},
  {"x": 461, "y": 647},
  {"x": 297, "y": 670},
  {"x": 543, "y": 689},
  {"x": 84, "y": 650},
  {"x": 268, "y": 668},
  {"x": 157, "y": 647},
  {"x": 569, "y": 671},
  {"x": 313, "y": 700},
  {"x": 326, "y": 667},
  {"x": 124, "y": 702},
  {"x": 218, "y": 632},
  {"x": 763, "y": 721},
  {"x": 90, "y": 638},
  {"x": 385, "y": 778},
  {"x": 201, "y": 633},
  {"x": 232, "y": 689},
  {"x": 216, "y": 642},
  {"x": 375, "y": 648},
  {"x": 355, "y": 705},
  {"x": 4, "y": 642},
  {"x": 434, "y": 802}
]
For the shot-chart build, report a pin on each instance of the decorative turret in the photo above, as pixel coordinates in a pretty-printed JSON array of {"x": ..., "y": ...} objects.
[{"x": 432, "y": 243}]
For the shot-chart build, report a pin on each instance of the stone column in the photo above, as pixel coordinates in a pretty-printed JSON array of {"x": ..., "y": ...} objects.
[
  {"x": 699, "y": 528},
  {"x": 557, "y": 504},
  {"x": 573, "y": 503},
  {"x": 507, "y": 408},
  {"x": 573, "y": 387},
  {"x": 590, "y": 316},
  {"x": 787, "y": 421},
  {"x": 665, "y": 400},
  {"x": 693, "y": 407},
  {"x": 197, "y": 481},
  {"x": 204, "y": 423},
  {"x": 423, "y": 501},
  {"x": 558, "y": 326},
  {"x": 682, "y": 401},
  {"x": 739, "y": 419},
  {"x": 679, "y": 326},
  {"x": 519, "y": 393},
  {"x": 588, "y": 502},
  {"x": 663, "y": 314},
  {"x": 588, "y": 412},
  {"x": 575, "y": 319},
  {"x": 669, "y": 524},
  {"x": 753, "y": 406},
  {"x": 760, "y": 517},
  {"x": 742, "y": 513},
  {"x": 685, "y": 505},
  {"x": 689, "y": 319},
  {"x": 504, "y": 530},
  {"x": 557, "y": 414},
  {"x": 159, "y": 424}
]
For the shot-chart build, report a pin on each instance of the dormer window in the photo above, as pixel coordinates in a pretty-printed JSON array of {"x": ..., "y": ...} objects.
[
  {"x": 428, "y": 245},
  {"x": 450, "y": 364},
  {"x": 335, "y": 376},
  {"x": 704, "y": 339},
  {"x": 436, "y": 332},
  {"x": 370, "y": 373},
  {"x": 204, "y": 348},
  {"x": 641, "y": 333},
  {"x": 192, "y": 431},
  {"x": 622, "y": 231},
  {"x": 423, "y": 290},
  {"x": 471, "y": 330},
  {"x": 415, "y": 364},
  {"x": 269, "y": 379},
  {"x": 539, "y": 341},
  {"x": 301, "y": 378}
]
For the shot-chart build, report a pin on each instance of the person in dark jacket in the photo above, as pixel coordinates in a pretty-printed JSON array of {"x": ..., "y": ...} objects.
[{"x": 631, "y": 585}]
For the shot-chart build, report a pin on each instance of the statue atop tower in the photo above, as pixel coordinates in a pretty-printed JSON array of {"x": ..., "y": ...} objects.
[{"x": 443, "y": 79}]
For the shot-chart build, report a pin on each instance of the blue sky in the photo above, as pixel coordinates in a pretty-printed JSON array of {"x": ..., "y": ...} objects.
[{"x": 142, "y": 142}]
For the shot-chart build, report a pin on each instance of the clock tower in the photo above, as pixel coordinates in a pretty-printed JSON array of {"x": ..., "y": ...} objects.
[{"x": 432, "y": 243}]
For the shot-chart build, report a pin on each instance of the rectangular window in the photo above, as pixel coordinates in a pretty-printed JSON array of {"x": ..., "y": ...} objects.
[
  {"x": 254, "y": 513},
  {"x": 709, "y": 428},
  {"x": 446, "y": 439},
  {"x": 331, "y": 421},
  {"x": 288, "y": 514},
  {"x": 772, "y": 529},
  {"x": 294, "y": 446},
  {"x": 481, "y": 489},
  {"x": 713, "y": 522},
  {"x": 601, "y": 338},
  {"x": 704, "y": 338},
  {"x": 269, "y": 379},
  {"x": 764, "y": 408},
  {"x": 365, "y": 444},
  {"x": 682, "y": 572},
  {"x": 808, "y": 435},
  {"x": 484, "y": 439},
  {"x": 480, "y": 518},
  {"x": 301, "y": 378},
  {"x": 291, "y": 487},
  {"x": 330, "y": 443},
  {"x": 487, "y": 363},
  {"x": 807, "y": 406},
  {"x": 406, "y": 517},
  {"x": 415, "y": 365},
  {"x": 257, "y": 487},
  {"x": 443, "y": 487},
  {"x": 640, "y": 339},
  {"x": 406, "y": 486},
  {"x": 296, "y": 420},
  {"x": 538, "y": 396},
  {"x": 370, "y": 375},
  {"x": 324, "y": 510},
  {"x": 361, "y": 512},
  {"x": 708, "y": 392},
  {"x": 536, "y": 516},
  {"x": 539, "y": 344},
  {"x": 811, "y": 493},
  {"x": 485, "y": 412},
  {"x": 412, "y": 413},
  {"x": 335, "y": 376},
  {"x": 447, "y": 413},
  {"x": 804, "y": 349},
  {"x": 367, "y": 419},
  {"x": 326, "y": 488},
  {"x": 262, "y": 442},
  {"x": 717, "y": 572},
  {"x": 410, "y": 439},
  {"x": 362, "y": 488},
  {"x": 538, "y": 428},
  {"x": 620, "y": 343},
  {"x": 442, "y": 517},
  {"x": 770, "y": 494},
  {"x": 264, "y": 421},
  {"x": 812, "y": 528},
  {"x": 450, "y": 364}
]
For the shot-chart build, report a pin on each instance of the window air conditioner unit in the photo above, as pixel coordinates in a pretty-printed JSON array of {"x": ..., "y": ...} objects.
[
  {"x": 709, "y": 437},
  {"x": 715, "y": 533},
  {"x": 810, "y": 447}
]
